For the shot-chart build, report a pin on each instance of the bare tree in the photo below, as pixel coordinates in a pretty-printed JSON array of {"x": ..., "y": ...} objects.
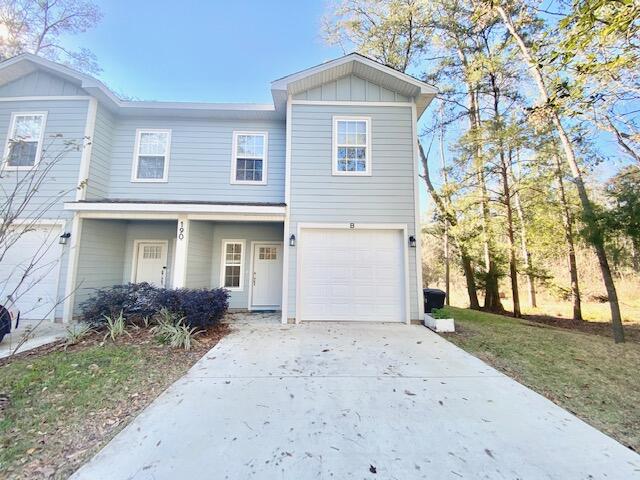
[
  {"x": 24, "y": 205},
  {"x": 38, "y": 26}
]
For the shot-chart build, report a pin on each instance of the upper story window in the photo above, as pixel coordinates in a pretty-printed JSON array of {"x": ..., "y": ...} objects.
[
  {"x": 24, "y": 142},
  {"x": 249, "y": 163},
  {"x": 151, "y": 156},
  {"x": 351, "y": 146}
]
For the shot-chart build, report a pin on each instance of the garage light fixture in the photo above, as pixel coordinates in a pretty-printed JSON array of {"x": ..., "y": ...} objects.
[
  {"x": 292, "y": 240},
  {"x": 63, "y": 238},
  {"x": 412, "y": 241}
]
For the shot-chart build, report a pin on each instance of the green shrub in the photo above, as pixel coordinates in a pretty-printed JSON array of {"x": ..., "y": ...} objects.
[
  {"x": 139, "y": 301},
  {"x": 171, "y": 330},
  {"x": 115, "y": 327},
  {"x": 77, "y": 332},
  {"x": 440, "y": 313}
]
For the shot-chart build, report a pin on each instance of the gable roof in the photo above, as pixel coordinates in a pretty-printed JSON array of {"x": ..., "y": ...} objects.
[
  {"x": 353, "y": 63},
  {"x": 361, "y": 66}
]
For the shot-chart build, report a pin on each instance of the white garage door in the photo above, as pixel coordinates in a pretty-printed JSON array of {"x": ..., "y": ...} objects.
[
  {"x": 38, "y": 253},
  {"x": 352, "y": 275}
]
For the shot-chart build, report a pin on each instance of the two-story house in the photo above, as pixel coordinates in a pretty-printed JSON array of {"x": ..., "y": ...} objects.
[{"x": 308, "y": 205}]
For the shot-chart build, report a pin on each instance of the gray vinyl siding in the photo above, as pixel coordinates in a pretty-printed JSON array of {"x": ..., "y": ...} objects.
[
  {"x": 199, "y": 254},
  {"x": 101, "y": 257},
  {"x": 351, "y": 88},
  {"x": 199, "y": 164},
  {"x": 387, "y": 196},
  {"x": 40, "y": 83},
  {"x": 249, "y": 232},
  {"x": 100, "y": 164},
  {"x": 65, "y": 123},
  {"x": 149, "y": 230}
]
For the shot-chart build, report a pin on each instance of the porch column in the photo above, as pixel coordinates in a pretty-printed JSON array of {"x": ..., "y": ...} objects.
[
  {"x": 72, "y": 269},
  {"x": 182, "y": 244}
]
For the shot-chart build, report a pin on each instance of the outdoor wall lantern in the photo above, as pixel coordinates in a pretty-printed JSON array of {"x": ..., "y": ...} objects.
[
  {"x": 292, "y": 240},
  {"x": 412, "y": 241},
  {"x": 63, "y": 238}
]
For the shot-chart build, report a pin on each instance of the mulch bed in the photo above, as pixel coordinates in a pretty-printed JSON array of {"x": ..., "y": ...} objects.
[{"x": 205, "y": 341}]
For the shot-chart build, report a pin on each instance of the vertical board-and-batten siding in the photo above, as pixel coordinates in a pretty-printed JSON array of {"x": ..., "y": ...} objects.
[
  {"x": 66, "y": 120},
  {"x": 387, "y": 196},
  {"x": 199, "y": 163},
  {"x": 40, "y": 83},
  {"x": 351, "y": 88}
]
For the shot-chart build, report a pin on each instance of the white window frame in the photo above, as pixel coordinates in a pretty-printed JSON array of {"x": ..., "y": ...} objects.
[
  {"x": 223, "y": 264},
  {"x": 334, "y": 159},
  {"x": 11, "y": 132},
  {"x": 234, "y": 158},
  {"x": 136, "y": 156}
]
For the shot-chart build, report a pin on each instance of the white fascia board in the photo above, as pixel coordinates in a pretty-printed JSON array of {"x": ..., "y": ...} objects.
[
  {"x": 173, "y": 208},
  {"x": 282, "y": 84}
]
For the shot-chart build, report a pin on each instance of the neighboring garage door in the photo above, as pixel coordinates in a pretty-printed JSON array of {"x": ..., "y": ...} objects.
[
  {"x": 36, "y": 295},
  {"x": 352, "y": 275}
]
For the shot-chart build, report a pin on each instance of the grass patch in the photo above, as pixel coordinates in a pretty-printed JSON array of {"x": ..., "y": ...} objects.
[
  {"x": 60, "y": 406},
  {"x": 586, "y": 374}
]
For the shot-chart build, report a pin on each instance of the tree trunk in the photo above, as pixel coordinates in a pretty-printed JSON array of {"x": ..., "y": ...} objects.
[
  {"x": 567, "y": 221},
  {"x": 492, "y": 294},
  {"x": 513, "y": 265},
  {"x": 635, "y": 254},
  {"x": 445, "y": 182},
  {"x": 526, "y": 254},
  {"x": 506, "y": 191},
  {"x": 465, "y": 258},
  {"x": 596, "y": 237}
]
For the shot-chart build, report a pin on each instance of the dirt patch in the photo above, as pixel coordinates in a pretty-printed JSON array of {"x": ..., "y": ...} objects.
[
  {"x": 632, "y": 331},
  {"x": 61, "y": 404}
]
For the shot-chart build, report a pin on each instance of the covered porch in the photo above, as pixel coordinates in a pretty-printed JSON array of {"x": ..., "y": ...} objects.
[{"x": 243, "y": 253}]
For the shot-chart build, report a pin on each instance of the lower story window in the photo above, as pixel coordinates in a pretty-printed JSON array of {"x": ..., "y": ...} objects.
[{"x": 232, "y": 255}]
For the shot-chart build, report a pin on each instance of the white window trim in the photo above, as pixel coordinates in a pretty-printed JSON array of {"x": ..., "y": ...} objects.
[
  {"x": 334, "y": 158},
  {"x": 223, "y": 264},
  {"x": 234, "y": 158},
  {"x": 136, "y": 154},
  {"x": 10, "y": 133}
]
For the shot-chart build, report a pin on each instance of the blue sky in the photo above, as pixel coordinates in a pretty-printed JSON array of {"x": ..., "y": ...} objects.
[
  {"x": 215, "y": 51},
  {"x": 205, "y": 50}
]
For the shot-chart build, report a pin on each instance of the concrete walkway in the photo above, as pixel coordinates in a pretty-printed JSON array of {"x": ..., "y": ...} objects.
[
  {"x": 361, "y": 401},
  {"x": 39, "y": 333}
]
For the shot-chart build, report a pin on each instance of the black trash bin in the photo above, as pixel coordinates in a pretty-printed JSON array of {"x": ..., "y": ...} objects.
[{"x": 433, "y": 299}]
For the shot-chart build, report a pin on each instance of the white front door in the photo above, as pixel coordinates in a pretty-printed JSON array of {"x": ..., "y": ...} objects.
[
  {"x": 266, "y": 275},
  {"x": 151, "y": 265},
  {"x": 352, "y": 275}
]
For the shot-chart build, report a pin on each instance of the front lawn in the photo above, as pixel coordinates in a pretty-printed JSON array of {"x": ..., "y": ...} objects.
[
  {"x": 58, "y": 407},
  {"x": 586, "y": 374}
]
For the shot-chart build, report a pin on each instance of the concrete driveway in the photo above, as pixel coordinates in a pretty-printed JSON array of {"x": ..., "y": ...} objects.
[
  {"x": 362, "y": 401},
  {"x": 38, "y": 332}
]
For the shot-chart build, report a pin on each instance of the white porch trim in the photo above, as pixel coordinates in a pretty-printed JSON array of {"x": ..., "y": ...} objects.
[
  {"x": 182, "y": 208},
  {"x": 181, "y": 253},
  {"x": 72, "y": 269},
  {"x": 418, "y": 225},
  {"x": 87, "y": 143}
]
